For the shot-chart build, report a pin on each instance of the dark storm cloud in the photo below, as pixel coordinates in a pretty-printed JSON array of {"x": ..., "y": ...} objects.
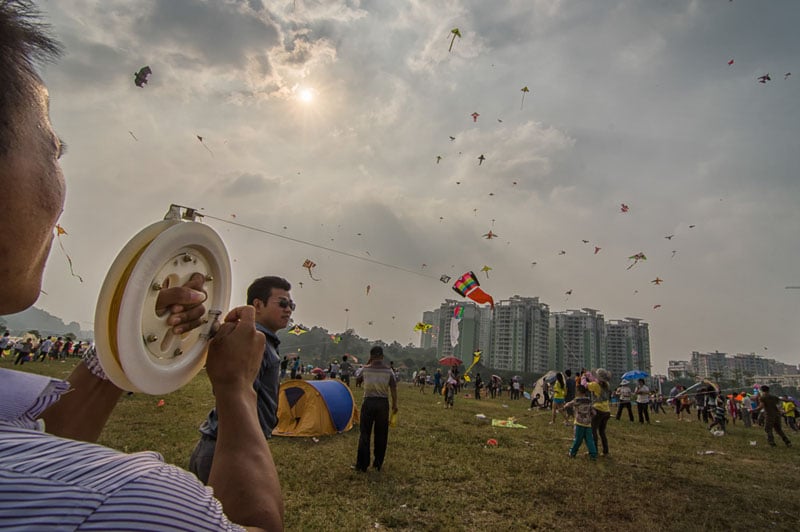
[{"x": 220, "y": 34}]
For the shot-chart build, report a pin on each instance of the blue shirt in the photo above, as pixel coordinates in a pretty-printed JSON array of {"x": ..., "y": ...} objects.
[{"x": 266, "y": 386}]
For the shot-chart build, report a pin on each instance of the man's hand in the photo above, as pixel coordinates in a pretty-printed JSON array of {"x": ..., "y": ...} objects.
[
  {"x": 234, "y": 356},
  {"x": 184, "y": 303}
]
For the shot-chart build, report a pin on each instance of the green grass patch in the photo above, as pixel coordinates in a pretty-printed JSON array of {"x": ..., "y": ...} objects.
[{"x": 440, "y": 475}]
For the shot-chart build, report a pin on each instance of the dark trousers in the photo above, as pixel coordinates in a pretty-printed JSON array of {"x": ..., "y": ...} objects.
[
  {"x": 374, "y": 415},
  {"x": 202, "y": 457},
  {"x": 627, "y": 405},
  {"x": 775, "y": 424},
  {"x": 644, "y": 412},
  {"x": 599, "y": 422}
]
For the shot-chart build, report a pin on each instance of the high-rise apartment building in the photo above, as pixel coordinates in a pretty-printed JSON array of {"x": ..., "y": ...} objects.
[
  {"x": 577, "y": 339},
  {"x": 627, "y": 346},
  {"x": 427, "y": 339},
  {"x": 519, "y": 335},
  {"x": 710, "y": 365}
]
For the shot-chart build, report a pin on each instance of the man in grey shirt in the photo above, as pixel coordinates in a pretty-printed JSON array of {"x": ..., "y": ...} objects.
[{"x": 274, "y": 306}]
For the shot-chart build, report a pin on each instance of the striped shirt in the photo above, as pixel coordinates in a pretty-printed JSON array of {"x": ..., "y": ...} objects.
[
  {"x": 378, "y": 379},
  {"x": 50, "y": 483}
]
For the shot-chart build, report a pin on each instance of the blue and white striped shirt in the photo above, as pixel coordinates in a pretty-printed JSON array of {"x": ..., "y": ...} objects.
[{"x": 51, "y": 483}]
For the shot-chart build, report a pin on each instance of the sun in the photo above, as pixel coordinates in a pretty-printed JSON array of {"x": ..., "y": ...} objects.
[{"x": 306, "y": 95}]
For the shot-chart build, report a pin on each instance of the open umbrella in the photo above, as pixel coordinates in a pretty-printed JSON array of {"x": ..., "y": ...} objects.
[
  {"x": 317, "y": 371},
  {"x": 496, "y": 378},
  {"x": 550, "y": 376},
  {"x": 450, "y": 361},
  {"x": 635, "y": 374}
]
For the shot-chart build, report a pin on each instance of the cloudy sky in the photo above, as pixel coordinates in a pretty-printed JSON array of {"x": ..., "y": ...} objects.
[{"x": 323, "y": 121}]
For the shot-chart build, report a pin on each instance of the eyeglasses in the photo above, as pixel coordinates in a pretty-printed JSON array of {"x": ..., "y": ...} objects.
[{"x": 287, "y": 303}]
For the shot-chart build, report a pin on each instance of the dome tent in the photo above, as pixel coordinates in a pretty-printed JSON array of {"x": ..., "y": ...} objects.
[{"x": 314, "y": 408}]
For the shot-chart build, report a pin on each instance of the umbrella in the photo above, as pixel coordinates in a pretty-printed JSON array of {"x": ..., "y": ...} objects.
[
  {"x": 317, "y": 371},
  {"x": 353, "y": 358},
  {"x": 550, "y": 376},
  {"x": 635, "y": 374},
  {"x": 450, "y": 361},
  {"x": 496, "y": 378}
]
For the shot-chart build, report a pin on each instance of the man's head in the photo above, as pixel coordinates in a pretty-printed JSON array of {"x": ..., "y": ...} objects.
[
  {"x": 272, "y": 301},
  {"x": 30, "y": 179},
  {"x": 764, "y": 389},
  {"x": 580, "y": 390},
  {"x": 376, "y": 353}
]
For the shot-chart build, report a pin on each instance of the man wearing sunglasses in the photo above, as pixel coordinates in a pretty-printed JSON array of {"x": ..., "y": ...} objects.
[{"x": 274, "y": 306}]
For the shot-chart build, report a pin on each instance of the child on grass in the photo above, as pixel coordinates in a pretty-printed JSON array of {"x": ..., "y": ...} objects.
[
  {"x": 449, "y": 392},
  {"x": 584, "y": 411},
  {"x": 719, "y": 414}
]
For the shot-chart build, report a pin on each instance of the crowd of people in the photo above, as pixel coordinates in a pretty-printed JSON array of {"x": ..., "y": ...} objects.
[{"x": 41, "y": 349}]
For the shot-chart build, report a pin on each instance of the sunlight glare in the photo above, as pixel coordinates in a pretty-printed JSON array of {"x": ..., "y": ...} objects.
[{"x": 306, "y": 95}]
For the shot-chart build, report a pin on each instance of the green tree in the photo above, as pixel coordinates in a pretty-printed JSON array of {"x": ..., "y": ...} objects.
[
  {"x": 35, "y": 332},
  {"x": 71, "y": 336}
]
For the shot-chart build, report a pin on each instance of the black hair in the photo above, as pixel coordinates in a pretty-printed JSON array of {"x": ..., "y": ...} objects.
[
  {"x": 24, "y": 40},
  {"x": 568, "y": 373},
  {"x": 765, "y": 388},
  {"x": 261, "y": 288},
  {"x": 376, "y": 352},
  {"x": 581, "y": 388},
  {"x": 560, "y": 378}
]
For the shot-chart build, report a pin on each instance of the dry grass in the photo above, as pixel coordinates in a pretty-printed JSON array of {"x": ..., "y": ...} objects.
[{"x": 439, "y": 474}]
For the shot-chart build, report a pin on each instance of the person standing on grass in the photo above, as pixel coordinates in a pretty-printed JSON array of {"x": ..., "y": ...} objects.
[
  {"x": 559, "y": 393},
  {"x": 624, "y": 393},
  {"x": 642, "y": 393},
  {"x": 270, "y": 298},
  {"x": 437, "y": 382},
  {"x": 379, "y": 381},
  {"x": 601, "y": 395},
  {"x": 345, "y": 370},
  {"x": 718, "y": 413},
  {"x": 745, "y": 410},
  {"x": 789, "y": 413},
  {"x": 768, "y": 404},
  {"x": 478, "y": 386},
  {"x": 422, "y": 379},
  {"x": 570, "y": 383},
  {"x": 584, "y": 412}
]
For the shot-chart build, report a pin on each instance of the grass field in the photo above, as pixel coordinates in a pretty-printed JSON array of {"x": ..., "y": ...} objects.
[{"x": 439, "y": 473}]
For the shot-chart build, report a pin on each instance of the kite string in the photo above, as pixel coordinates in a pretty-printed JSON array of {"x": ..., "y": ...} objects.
[
  {"x": 318, "y": 246},
  {"x": 69, "y": 259}
]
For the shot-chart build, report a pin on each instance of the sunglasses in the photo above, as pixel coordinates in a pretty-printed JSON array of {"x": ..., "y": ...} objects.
[{"x": 287, "y": 303}]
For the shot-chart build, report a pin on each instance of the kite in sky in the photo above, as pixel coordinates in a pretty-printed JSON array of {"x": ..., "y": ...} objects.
[
  {"x": 475, "y": 116},
  {"x": 490, "y": 235},
  {"x": 669, "y": 237},
  {"x": 534, "y": 263},
  {"x": 486, "y": 270},
  {"x": 657, "y": 281},
  {"x": 623, "y": 207},
  {"x": 692, "y": 226},
  {"x": 297, "y": 330},
  {"x": 674, "y": 251},
  {"x": 423, "y": 327},
  {"x": 438, "y": 158},
  {"x": 61, "y": 231},
  {"x": 597, "y": 250},
  {"x": 309, "y": 264},
  {"x": 458, "y": 312},
  {"x": 562, "y": 252},
  {"x": 636, "y": 258},
  {"x": 456, "y": 33},
  {"x": 568, "y": 292},
  {"x": 444, "y": 278},
  {"x": 368, "y": 287},
  {"x": 730, "y": 62},
  {"x": 656, "y": 307},
  {"x": 476, "y": 357},
  {"x": 481, "y": 158},
  {"x": 786, "y": 76},
  {"x": 204, "y": 145},
  {"x": 468, "y": 286},
  {"x": 524, "y": 90},
  {"x": 452, "y": 138},
  {"x": 765, "y": 78},
  {"x": 142, "y": 77},
  {"x": 585, "y": 241},
  {"x": 134, "y": 136}
]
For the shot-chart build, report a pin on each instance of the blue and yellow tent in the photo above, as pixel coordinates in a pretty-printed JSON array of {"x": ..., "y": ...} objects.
[{"x": 314, "y": 408}]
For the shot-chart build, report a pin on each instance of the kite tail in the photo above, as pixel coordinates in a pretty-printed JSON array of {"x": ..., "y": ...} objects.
[
  {"x": 69, "y": 260},
  {"x": 481, "y": 297},
  {"x": 312, "y": 275}
]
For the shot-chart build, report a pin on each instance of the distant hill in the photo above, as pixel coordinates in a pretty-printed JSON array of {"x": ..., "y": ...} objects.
[{"x": 44, "y": 322}]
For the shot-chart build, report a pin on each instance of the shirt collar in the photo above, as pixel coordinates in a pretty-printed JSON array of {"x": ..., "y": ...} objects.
[
  {"x": 24, "y": 396},
  {"x": 271, "y": 336}
]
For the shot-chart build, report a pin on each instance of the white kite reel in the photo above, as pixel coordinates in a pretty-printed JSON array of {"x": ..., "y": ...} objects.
[{"x": 136, "y": 347}]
